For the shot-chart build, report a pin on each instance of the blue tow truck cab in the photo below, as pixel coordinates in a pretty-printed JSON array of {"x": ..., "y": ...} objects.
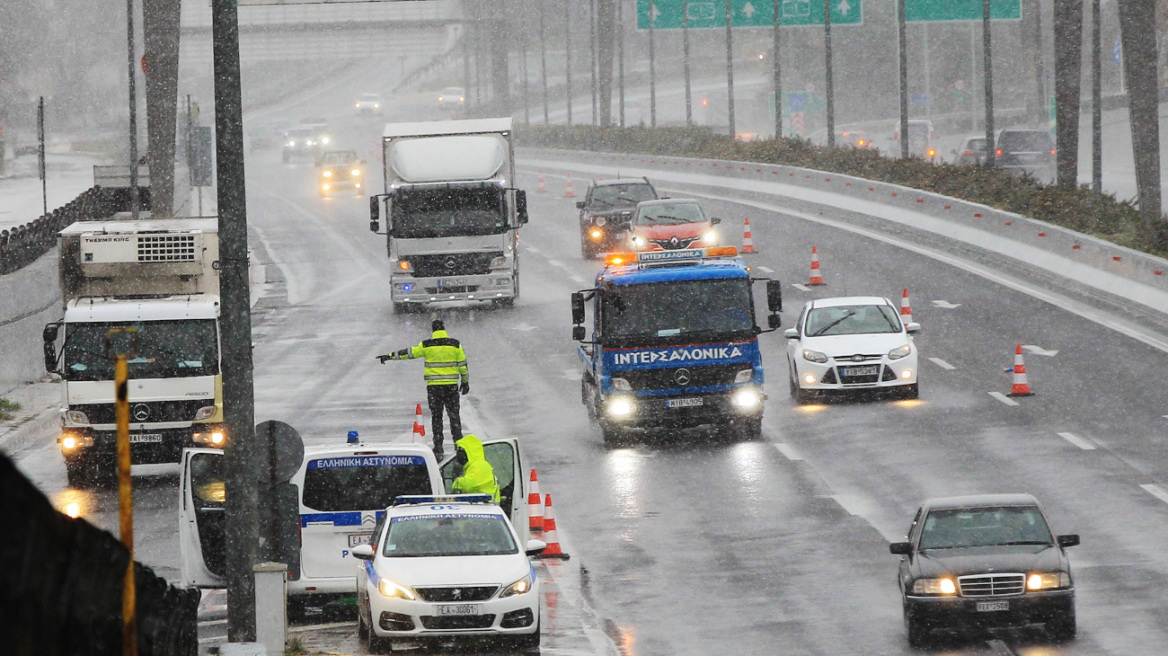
[{"x": 674, "y": 342}]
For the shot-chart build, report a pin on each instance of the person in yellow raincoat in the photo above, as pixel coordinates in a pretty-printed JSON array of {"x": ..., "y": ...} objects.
[{"x": 478, "y": 477}]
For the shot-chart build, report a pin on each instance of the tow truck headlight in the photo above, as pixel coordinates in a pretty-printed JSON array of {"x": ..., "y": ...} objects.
[
  {"x": 1048, "y": 581},
  {"x": 814, "y": 356},
  {"x": 747, "y": 399},
  {"x": 621, "y": 407},
  {"x": 899, "y": 352},
  {"x": 72, "y": 441},
  {"x": 76, "y": 417},
  {"x": 388, "y": 588},
  {"x": 934, "y": 587},
  {"x": 205, "y": 412},
  {"x": 621, "y": 384},
  {"x": 744, "y": 376},
  {"x": 517, "y": 588},
  {"x": 327, "y": 174}
]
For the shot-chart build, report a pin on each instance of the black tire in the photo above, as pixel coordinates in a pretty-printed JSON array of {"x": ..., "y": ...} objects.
[
  {"x": 803, "y": 397},
  {"x": 377, "y": 644},
  {"x": 911, "y": 392},
  {"x": 748, "y": 429},
  {"x": 1062, "y": 628},
  {"x": 918, "y": 631},
  {"x": 403, "y": 308},
  {"x": 586, "y": 252},
  {"x": 78, "y": 476},
  {"x": 794, "y": 386},
  {"x": 529, "y": 641},
  {"x": 362, "y": 630}
]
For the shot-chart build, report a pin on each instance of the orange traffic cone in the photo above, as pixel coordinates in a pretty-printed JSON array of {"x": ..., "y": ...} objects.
[
  {"x": 419, "y": 427},
  {"x": 905, "y": 309},
  {"x": 569, "y": 192},
  {"x": 747, "y": 239},
  {"x": 816, "y": 277},
  {"x": 534, "y": 507},
  {"x": 550, "y": 537},
  {"x": 542, "y": 186},
  {"x": 1021, "y": 387}
]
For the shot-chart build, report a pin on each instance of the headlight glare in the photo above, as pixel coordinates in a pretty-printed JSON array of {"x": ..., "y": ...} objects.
[
  {"x": 597, "y": 234},
  {"x": 620, "y": 407},
  {"x": 70, "y": 441},
  {"x": 327, "y": 174},
  {"x": 934, "y": 587},
  {"x": 1047, "y": 581},
  {"x": 710, "y": 238},
  {"x": 517, "y": 588},
  {"x": 355, "y": 172},
  {"x": 899, "y": 352},
  {"x": 388, "y": 588},
  {"x": 747, "y": 399},
  {"x": 814, "y": 356}
]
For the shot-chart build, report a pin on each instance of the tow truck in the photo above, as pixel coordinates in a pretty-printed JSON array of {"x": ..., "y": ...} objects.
[{"x": 674, "y": 342}]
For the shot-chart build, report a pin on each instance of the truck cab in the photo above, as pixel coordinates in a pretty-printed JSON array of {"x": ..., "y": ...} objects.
[{"x": 674, "y": 342}]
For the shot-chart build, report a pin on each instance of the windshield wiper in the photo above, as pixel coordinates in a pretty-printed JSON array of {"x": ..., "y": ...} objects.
[
  {"x": 831, "y": 325},
  {"x": 1017, "y": 542}
]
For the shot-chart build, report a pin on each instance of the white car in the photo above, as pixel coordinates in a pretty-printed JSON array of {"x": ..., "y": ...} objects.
[
  {"x": 851, "y": 343},
  {"x": 368, "y": 103},
  {"x": 446, "y": 567}
]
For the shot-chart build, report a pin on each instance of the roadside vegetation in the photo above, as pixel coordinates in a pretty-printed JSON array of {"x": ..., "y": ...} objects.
[
  {"x": 8, "y": 409},
  {"x": 1079, "y": 209}
]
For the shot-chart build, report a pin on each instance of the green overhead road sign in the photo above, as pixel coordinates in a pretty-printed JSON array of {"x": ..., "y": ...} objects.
[
  {"x": 746, "y": 13},
  {"x": 960, "y": 10}
]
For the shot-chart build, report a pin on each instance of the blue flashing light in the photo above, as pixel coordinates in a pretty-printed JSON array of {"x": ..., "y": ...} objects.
[
  {"x": 353, "y": 437},
  {"x": 406, "y": 499},
  {"x": 407, "y": 287}
]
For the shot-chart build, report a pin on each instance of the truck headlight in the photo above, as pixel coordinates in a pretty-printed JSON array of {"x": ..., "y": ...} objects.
[
  {"x": 621, "y": 384},
  {"x": 517, "y": 588},
  {"x": 1048, "y": 581},
  {"x": 76, "y": 417},
  {"x": 327, "y": 174},
  {"x": 744, "y": 376},
  {"x": 291, "y": 144},
  {"x": 899, "y": 352},
  {"x": 499, "y": 262},
  {"x": 934, "y": 587},
  {"x": 746, "y": 399},
  {"x": 205, "y": 412},
  {"x": 814, "y": 356},
  {"x": 388, "y": 588},
  {"x": 356, "y": 173},
  {"x": 72, "y": 441},
  {"x": 212, "y": 436},
  {"x": 325, "y": 140},
  {"x": 621, "y": 407}
]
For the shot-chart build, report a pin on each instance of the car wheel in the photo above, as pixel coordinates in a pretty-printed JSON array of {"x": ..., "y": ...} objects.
[
  {"x": 1062, "y": 628},
  {"x": 529, "y": 641},
  {"x": 918, "y": 631},
  {"x": 362, "y": 630},
  {"x": 794, "y": 386},
  {"x": 911, "y": 392},
  {"x": 377, "y": 644}
]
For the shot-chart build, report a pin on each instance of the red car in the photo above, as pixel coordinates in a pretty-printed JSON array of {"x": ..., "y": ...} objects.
[{"x": 671, "y": 224}]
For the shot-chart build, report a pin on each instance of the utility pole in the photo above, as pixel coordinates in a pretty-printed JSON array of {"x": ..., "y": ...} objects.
[
  {"x": 902, "y": 46},
  {"x": 1138, "y": 26},
  {"x": 41, "y": 156},
  {"x": 133, "y": 111},
  {"x": 778, "y": 72},
  {"x": 988, "y": 72},
  {"x": 592, "y": 57},
  {"x": 652, "y": 68},
  {"x": 241, "y": 512},
  {"x": 543, "y": 61},
  {"x": 606, "y": 25},
  {"x": 620, "y": 57},
  {"x": 828, "y": 80},
  {"x": 685, "y": 60},
  {"x": 1096, "y": 99},
  {"x": 568, "y": 53},
  {"x": 1068, "y": 53},
  {"x": 730, "y": 69}
]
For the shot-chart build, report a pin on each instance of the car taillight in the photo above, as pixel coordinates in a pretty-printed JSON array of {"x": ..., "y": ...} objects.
[
  {"x": 998, "y": 152},
  {"x": 1052, "y": 152}
]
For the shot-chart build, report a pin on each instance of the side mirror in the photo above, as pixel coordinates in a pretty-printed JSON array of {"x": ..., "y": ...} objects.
[
  {"x": 50, "y": 338},
  {"x": 578, "y": 333},
  {"x": 362, "y": 552},
  {"x": 374, "y": 208},
  {"x": 715, "y": 221},
  {"x": 912, "y": 327},
  {"x": 521, "y": 206},
  {"x": 773, "y": 321},
  {"x": 774, "y": 292},
  {"x": 577, "y": 308},
  {"x": 900, "y": 548},
  {"x": 579, "y": 204},
  {"x": 1068, "y": 540},
  {"x": 535, "y": 547},
  {"x": 791, "y": 333}
]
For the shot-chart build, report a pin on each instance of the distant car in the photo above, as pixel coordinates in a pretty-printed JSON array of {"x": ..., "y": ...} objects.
[
  {"x": 606, "y": 211},
  {"x": 452, "y": 98},
  {"x": 972, "y": 151},
  {"x": 854, "y": 139},
  {"x": 670, "y": 225},
  {"x": 368, "y": 104},
  {"x": 339, "y": 169},
  {"x": 922, "y": 140},
  {"x": 301, "y": 143},
  {"x": 848, "y": 344},
  {"x": 1025, "y": 151},
  {"x": 447, "y": 567},
  {"x": 985, "y": 561},
  {"x": 26, "y": 148}
]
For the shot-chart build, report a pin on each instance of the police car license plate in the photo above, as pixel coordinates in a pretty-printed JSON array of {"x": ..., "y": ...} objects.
[
  {"x": 990, "y": 606},
  {"x": 154, "y": 438},
  {"x": 459, "y": 609},
  {"x": 684, "y": 403},
  {"x": 360, "y": 538},
  {"x": 866, "y": 370}
]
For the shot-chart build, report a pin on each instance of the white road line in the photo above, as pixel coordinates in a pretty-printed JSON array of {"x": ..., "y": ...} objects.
[
  {"x": 788, "y": 451},
  {"x": 801, "y": 287},
  {"x": 765, "y": 269},
  {"x": 1000, "y": 648},
  {"x": 1156, "y": 491},
  {"x": 941, "y": 363},
  {"x": 1003, "y": 398},
  {"x": 531, "y": 249},
  {"x": 1083, "y": 444}
]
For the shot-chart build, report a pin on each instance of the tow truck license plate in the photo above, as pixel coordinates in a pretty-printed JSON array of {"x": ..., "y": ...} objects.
[
  {"x": 989, "y": 606},
  {"x": 685, "y": 403},
  {"x": 360, "y": 538},
  {"x": 145, "y": 437},
  {"x": 459, "y": 609},
  {"x": 865, "y": 370}
]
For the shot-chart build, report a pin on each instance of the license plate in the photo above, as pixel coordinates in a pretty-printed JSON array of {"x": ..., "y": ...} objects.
[
  {"x": 360, "y": 538},
  {"x": 684, "y": 403},
  {"x": 459, "y": 609},
  {"x": 991, "y": 606},
  {"x": 452, "y": 282},
  {"x": 866, "y": 370},
  {"x": 153, "y": 438}
]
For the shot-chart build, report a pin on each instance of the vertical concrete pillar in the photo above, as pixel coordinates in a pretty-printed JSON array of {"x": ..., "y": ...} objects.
[{"x": 160, "y": 25}]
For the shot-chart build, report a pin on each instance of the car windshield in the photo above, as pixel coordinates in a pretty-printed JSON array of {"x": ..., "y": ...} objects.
[
  {"x": 158, "y": 349},
  {"x": 851, "y": 320},
  {"x": 338, "y": 157},
  {"x": 301, "y": 133},
  {"x": 975, "y": 144},
  {"x": 670, "y": 214},
  {"x": 673, "y": 310},
  {"x": 453, "y": 92},
  {"x": 370, "y": 97},
  {"x": 369, "y": 482},
  {"x": 1026, "y": 141},
  {"x": 984, "y": 527},
  {"x": 621, "y": 195},
  {"x": 441, "y": 212},
  {"x": 449, "y": 534}
]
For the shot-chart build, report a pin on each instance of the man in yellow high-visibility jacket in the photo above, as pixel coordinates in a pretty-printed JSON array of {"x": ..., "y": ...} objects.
[
  {"x": 446, "y": 375},
  {"x": 478, "y": 476}
]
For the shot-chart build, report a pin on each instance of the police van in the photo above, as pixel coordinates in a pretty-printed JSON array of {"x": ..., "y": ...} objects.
[{"x": 342, "y": 492}]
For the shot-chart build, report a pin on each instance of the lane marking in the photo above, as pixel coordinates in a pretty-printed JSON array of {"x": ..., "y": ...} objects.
[
  {"x": 532, "y": 249},
  {"x": 799, "y": 286},
  {"x": 1038, "y": 350},
  {"x": 1156, "y": 491},
  {"x": 946, "y": 305},
  {"x": 788, "y": 451},
  {"x": 765, "y": 269},
  {"x": 1000, "y": 648},
  {"x": 1003, "y": 398},
  {"x": 1080, "y": 442},
  {"x": 941, "y": 363}
]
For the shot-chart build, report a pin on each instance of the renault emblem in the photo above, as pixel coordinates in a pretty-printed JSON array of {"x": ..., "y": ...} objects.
[
  {"x": 141, "y": 412},
  {"x": 674, "y": 242},
  {"x": 682, "y": 377}
]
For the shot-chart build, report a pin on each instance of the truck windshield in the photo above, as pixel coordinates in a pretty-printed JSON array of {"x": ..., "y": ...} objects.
[
  {"x": 668, "y": 312},
  {"x": 449, "y": 212},
  {"x": 165, "y": 349}
]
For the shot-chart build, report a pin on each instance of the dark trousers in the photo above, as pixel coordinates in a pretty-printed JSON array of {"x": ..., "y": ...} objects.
[{"x": 439, "y": 397}]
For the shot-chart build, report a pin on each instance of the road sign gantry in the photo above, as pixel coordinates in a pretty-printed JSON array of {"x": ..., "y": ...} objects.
[{"x": 745, "y": 13}]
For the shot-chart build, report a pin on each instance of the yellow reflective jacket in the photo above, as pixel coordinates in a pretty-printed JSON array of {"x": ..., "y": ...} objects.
[
  {"x": 478, "y": 476},
  {"x": 445, "y": 359}
]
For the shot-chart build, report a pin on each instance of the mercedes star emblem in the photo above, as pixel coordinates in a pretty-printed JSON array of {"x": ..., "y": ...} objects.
[
  {"x": 682, "y": 377},
  {"x": 141, "y": 412}
]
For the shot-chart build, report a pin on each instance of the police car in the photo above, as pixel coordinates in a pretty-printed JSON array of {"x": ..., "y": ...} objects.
[
  {"x": 341, "y": 492},
  {"x": 447, "y": 567}
]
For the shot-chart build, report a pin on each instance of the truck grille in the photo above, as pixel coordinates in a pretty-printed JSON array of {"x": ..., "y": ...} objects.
[
  {"x": 671, "y": 377},
  {"x": 990, "y": 585},
  {"x": 166, "y": 248},
  {"x": 452, "y": 264},
  {"x": 467, "y": 593},
  {"x": 154, "y": 411}
]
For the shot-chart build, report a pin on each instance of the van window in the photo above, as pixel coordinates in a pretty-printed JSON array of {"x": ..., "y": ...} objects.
[{"x": 362, "y": 482}]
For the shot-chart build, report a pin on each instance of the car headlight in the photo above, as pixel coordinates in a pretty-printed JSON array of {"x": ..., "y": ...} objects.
[
  {"x": 76, "y": 417},
  {"x": 355, "y": 172},
  {"x": 327, "y": 174},
  {"x": 746, "y": 399},
  {"x": 710, "y": 238},
  {"x": 934, "y": 587},
  {"x": 620, "y": 407},
  {"x": 517, "y": 588},
  {"x": 325, "y": 140},
  {"x": 1048, "y": 581},
  {"x": 899, "y": 352},
  {"x": 388, "y": 588},
  {"x": 205, "y": 412},
  {"x": 744, "y": 376},
  {"x": 600, "y": 221},
  {"x": 621, "y": 384},
  {"x": 358, "y": 105},
  {"x": 814, "y": 356},
  {"x": 291, "y": 144},
  {"x": 376, "y": 105}
]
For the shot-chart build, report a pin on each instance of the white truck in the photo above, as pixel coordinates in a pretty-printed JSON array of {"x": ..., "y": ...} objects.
[
  {"x": 148, "y": 288},
  {"x": 452, "y": 212}
]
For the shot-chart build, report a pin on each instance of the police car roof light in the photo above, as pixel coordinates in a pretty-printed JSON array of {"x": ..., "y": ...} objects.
[
  {"x": 407, "y": 499},
  {"x": 352, "y": 439}
]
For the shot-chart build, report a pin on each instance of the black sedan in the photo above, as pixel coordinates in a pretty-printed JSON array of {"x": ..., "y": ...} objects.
[
  {"x": 606, "y": 210},
  {"x": 985, "y": 561}
]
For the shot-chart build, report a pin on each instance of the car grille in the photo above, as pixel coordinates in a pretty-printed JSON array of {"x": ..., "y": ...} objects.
[
  {"x": 664, "y": 378},
  {"x": 991, "y": 585},
  {"x": 156, "y": 411},
  {"x": 458, "y": 622},
  {"x": 453, "y": 264},
  {"x": 469, "y": 593},
  {"x": 674, "y": 243}
]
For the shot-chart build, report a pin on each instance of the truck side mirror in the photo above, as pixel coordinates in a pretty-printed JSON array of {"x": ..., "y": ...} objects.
[
  {"x": 521, "y": 206},
  {"x": 774, "y": 292},
  {"x": 773, "y": 321},
  {"x": 578, "y": 310},
  {"x": 577, "y": 333},
  {"x": 50, "y": 338},
  {"x": 374, "y": 214}
]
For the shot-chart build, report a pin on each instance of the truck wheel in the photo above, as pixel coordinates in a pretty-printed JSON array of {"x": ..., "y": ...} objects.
[
  {"x": 78, "y": 475},
  {"x": 586, "y": 251},
  {"x": 402, "y": 308}
]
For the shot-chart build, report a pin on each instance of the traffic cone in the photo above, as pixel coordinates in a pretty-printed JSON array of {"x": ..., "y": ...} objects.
[
  {"x": 419, "y": 428},
  {"x": 1021, "y": 387},
  {"x": 569, "y": 192},
  {"x": 905, "y": 310},
  {"x": 816, "y": 277},
  {"x": 747, "y": 239},
  {"x": 542, "y": 186},
  {"x": 550, "y": 537},
  {"x": 534, "y": 507}
]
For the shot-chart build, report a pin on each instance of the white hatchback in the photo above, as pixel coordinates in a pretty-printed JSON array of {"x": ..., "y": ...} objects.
[
  {"x": 851, "y": 343},
  {"x": 447, "y": 567}
]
